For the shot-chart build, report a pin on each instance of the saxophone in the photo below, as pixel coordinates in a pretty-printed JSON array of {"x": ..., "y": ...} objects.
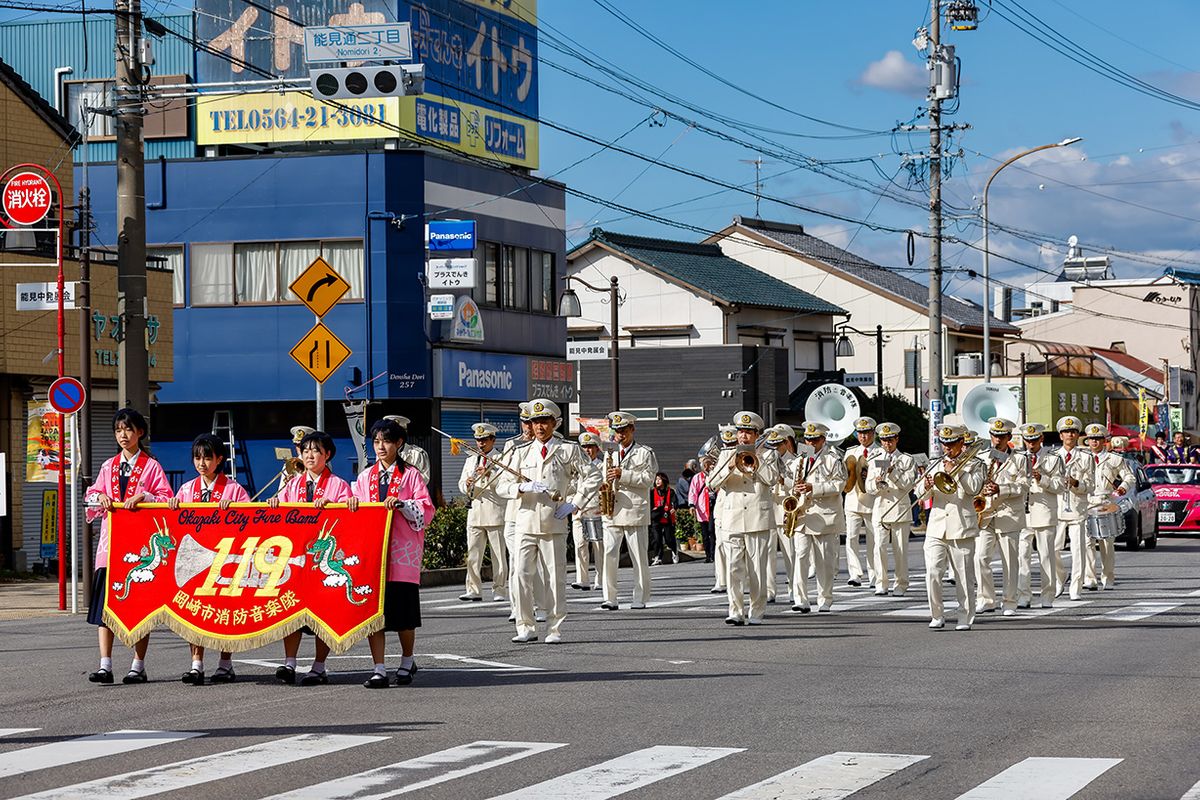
[
  {"x": 795, "y": 503},
  {"x": 608, "y": 490}
]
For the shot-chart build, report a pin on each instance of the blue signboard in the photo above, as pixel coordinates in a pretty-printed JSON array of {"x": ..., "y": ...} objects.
[
  {"x": 451, "y": 234},
  {"x": 474, "y": 375}
]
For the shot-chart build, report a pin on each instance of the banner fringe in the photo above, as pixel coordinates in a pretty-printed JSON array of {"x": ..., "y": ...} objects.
[{"x": 163, "y": 618}]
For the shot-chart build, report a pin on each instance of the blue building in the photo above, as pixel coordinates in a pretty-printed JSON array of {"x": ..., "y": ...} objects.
[{"x": 238, "y": 207}]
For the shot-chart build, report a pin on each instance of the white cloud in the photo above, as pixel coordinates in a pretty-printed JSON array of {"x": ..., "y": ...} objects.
[{"x": 894, "y": 73}]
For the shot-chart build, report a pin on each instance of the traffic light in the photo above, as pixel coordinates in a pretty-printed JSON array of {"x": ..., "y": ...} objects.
[{"x": 396, "y": 80}]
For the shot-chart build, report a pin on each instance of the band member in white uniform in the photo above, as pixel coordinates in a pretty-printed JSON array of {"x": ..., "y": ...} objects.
[
  {"x": 952, "y": 528},
  {"x": 298, "y": 433},
  {"x": 747, "y": 517},
  {"x": 782, "y": 439},
  {"x": 821, "y": 477},
  {"x": 541, "y": 591},
  {"x": 588, "y": 551},
  {"x": 485, "y": 517},
  {"x": 631, "y": 474},
  {"x": 558, "y": 479},
  {"x": 1078, "y": 476},
  {"x": 890, "y": 477},
  {"x": 410, "y": 453},
  {"x": 1003, "y": 520},
  {"x": 728, "y": 435},
  {"x": 859, "y": 506},
  {"x": 1113, "y": 478},
  {"x": 1044, "y": 471}
]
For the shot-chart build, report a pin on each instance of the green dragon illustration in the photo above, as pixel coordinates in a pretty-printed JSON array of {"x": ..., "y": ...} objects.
[
  {"x": 145, "y": 563},
  {"x": 332, "y": 562}
]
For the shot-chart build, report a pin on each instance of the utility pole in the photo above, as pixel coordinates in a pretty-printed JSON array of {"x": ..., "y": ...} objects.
[
  {"x": 935, "y": 219},
  {"x": 133, "y": 371},
  {"x": 83, "y": 298}
]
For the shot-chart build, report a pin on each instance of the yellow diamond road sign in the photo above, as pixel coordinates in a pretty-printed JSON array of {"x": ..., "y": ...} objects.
[
  {"x": 320, "y": 352},
  {"x": 319, "y": 287}
]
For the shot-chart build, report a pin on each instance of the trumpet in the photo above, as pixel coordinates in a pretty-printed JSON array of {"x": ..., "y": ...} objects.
[
  {"x": 747, "y": 459},
  {"x": 292, "y": 466}
]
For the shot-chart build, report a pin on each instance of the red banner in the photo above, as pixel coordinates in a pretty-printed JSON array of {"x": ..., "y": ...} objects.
[{"x": 249, "y": 575}]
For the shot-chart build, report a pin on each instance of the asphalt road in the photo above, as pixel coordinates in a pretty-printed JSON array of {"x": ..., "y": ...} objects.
[{"x": 1094, "y": 700}]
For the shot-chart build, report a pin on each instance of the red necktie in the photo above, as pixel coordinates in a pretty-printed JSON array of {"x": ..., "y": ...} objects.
[
  {"x": 622, "y": 453},
  {"x": 1097, "y": 461},
  {"x": 545, "y": 450},
  {"x": 864, "y": 452}
]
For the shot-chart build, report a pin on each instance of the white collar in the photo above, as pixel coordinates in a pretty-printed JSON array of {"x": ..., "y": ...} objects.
[
  {"x": 130, "y": 460},
  {"x": 204, "y": 485}
]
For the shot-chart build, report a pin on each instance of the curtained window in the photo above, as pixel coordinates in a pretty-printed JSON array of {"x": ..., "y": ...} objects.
[
  {"x": 255, "y": 273},
  {"x": 169, "y": 258},
  {"x": 211, "y": 272},
  {"x": 347, "y": 259},
  {"x": 248, "y": 273}
]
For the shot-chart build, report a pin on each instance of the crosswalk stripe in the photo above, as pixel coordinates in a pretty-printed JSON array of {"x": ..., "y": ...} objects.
[
  {"x": 1042, "y": 779},
  {"x": 830, "y": 777},
  {"x": 196, "y": 771},
  {"x": 72, "y": 751},
  {"x": 622, "y": 774},
  {"x": 14, "y": 731},
  {"x": 1136, "y": 611},
  {"x": 421, "y": 772},
  {"x": 1192, "y": 793},
  {"x": 951, "y": 608}
]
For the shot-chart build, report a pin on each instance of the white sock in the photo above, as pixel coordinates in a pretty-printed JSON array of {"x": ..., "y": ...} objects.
[
  {"x": 317, "y": 667},
  {"x": 381, "y": 669},
  {"x": 291, "y": 662},
  {"x": 106, "y": 663},
  {"x": 138, "y": 665},
  {"x": 197, "y": 665},
  {"x": 406, "y": 662},
  {"x": 225, "y": 663}
]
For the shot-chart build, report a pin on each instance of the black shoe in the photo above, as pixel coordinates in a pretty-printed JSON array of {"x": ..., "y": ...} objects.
[
  {"x": 854, "y": 582},
  {"x": 195, "y": 677},
  {"x": 771, "y": 600},
  {"x": 376, "y": 681},
  {"x": 578, "y": 585},
  {"x": 609, "y": 606},
  {"x": 286, "y": 674},
  {"x": 135, "y": 676},
  {"x": 315, "y": 679},
  {"x": 101, "y": 676},
  {"x": 708, "y": 561},
  {"x": 224, "y": 675},
  {"x": 718, "y": 590},
  {"x": 405, "y": 676}
]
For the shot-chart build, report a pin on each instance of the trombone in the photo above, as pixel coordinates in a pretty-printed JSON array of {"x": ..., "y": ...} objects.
[
  {"x": 946, "y": 481},
  {"x": 457, "y": 445}
]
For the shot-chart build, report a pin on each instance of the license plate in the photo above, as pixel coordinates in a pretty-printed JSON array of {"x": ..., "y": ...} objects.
[{"x": 1166, "y": 516}]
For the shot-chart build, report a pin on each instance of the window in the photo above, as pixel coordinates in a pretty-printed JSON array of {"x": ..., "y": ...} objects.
[
  {"x": 248, "y": 273},
  {"x": 92, "y": 94},
  {"x": 541, "y": 281},
  {"x": 806, "y": 355},
  {"x": 516, "y": 278},
  {"x": 684, "y": 412},
  {"x": 489, "y": 293},
  {"x": 169, "y": 258},
  {"x": 643, "y": 414},
  {"x": 165, "y": 118}
]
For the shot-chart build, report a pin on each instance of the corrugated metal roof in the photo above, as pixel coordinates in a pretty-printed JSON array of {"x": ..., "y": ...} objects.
[
  {"x": 707, "y": 268},
  {"x": 954, "y": 312},
  {"x": 1188, "y": 276}
]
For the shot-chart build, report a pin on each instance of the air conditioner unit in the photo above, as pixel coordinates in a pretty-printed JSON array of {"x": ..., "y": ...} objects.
[{"x": 968, "y": 365}]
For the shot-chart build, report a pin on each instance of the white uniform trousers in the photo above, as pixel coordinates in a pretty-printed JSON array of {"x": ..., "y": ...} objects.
[
  {"x": 746, "y": 558},
  {"x": 477, "y": 540},
  {"x": 1047, "y": 557},
  {"x": 959, "y": 554},
  {"x": 1008, "y": 544},
  {"x": 801, "y": 561},
  {"x": 857, "y": 524},
  {"x": 720, "y": 562},
  {"x": 637, "y": 539},
  {"x": 823, "y": 551},
  {"x": 1108, "y": 558},
  {"x": 584, "y": 551},
  {"x": 540, "y": 588},
  {"x": 895, "y": 536},
  {"x": 1081, "y": 555},
  {"x": 547, "y": 554},
  {"x": 779, "y": 541},
  {"x": 1060, "y": 542}
]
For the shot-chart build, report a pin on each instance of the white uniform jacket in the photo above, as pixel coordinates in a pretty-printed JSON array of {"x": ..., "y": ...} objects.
[
  {"x": 898, "y": 472},
  {"x": 782, "y": 486},
  {"x": 487, "y": 507},
  {"x": 746, "y": 502},
  {"x": 856, "y": 503},
  {"x": 590, "y": 507},
  {"x": 1008, "y": 504},
  {"x": 953, "y": 515},
  {"x": 411, "y": 454},
  {"x": 631, "y": 501},
  {"x": 1112, "y": 468},
  {"x": 1044, "y": 492},
  {"x": 822, "y": 512},
  {"x": 565, "y": 469},
  {"x": 1073, "y": 501}
]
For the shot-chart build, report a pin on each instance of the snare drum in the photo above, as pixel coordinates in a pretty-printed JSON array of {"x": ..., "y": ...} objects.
[
  {"x": 593, "y": 529},
  {"x": 1106, "y": 522}
]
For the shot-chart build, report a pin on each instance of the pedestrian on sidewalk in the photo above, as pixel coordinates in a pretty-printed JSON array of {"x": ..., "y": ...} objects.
[
  {"x": 662, "y": 520},
  {"x": 700, "y": 499}
]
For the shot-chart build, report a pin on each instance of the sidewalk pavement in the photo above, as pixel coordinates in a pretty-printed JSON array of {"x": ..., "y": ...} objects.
[{"x": 31, "y": 599}]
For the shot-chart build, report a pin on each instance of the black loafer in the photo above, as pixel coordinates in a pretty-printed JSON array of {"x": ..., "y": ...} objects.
[
  {"x": 101, "y": 676},
  {"x": 135, "y": 676},
  {"x": 405, "y": 676},
  {"x": 855, "y": 581},
  {"x": 376, "y": 681},
  {"x": 195, "y": 677},
  {"x": 286, "y": 674},
  {"x": 315, "y": 679},
  {"x": 223, "y": 675}
]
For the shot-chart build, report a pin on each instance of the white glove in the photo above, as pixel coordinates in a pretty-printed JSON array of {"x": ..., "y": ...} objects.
[
  {"x": 413, "y": 512},
  {"x": 533, "y": 487},
  {"x": 564, "y": 511}
]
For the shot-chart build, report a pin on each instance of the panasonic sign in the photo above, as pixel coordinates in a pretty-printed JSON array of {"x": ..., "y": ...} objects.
[
  {"x": 469, "y": 378},
  {"x": 450, "y": 234},
  {"x": 480, "y": 375}
]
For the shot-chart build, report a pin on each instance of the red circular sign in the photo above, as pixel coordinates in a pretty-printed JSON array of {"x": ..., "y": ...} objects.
[
  {"x": 27, "y": 198},
  {"x": 67, "y": 395}
]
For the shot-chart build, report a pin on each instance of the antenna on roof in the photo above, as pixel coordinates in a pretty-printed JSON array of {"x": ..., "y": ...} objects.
[{"x": 757, "y": 162}]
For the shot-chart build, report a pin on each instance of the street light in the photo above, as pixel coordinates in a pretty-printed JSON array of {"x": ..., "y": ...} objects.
[
  {"x": 569, "y": 306},
  {"x": 987, "y": 274},
  {"x": 844, "y": 348}
]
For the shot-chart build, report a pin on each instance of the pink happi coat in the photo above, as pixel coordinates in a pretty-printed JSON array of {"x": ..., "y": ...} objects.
[
  {"x": 406, "y": 547},
  {"x": 153, "y": 483}
]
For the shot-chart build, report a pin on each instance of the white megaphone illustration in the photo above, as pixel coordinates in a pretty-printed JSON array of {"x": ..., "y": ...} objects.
[{"x": 194, "y": 558}]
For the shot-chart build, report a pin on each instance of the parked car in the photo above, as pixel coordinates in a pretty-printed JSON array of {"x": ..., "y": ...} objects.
[
  {"x": 1139, "y": 508},
  {"x": 1177, "y": 489}
]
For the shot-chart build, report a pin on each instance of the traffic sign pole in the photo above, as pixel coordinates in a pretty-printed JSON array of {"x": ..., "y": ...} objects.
[{"x": 320, "y": 397}]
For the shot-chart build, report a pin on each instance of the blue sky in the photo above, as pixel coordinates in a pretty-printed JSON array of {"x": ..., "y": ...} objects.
[{"x": 1129, "y": 185}]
